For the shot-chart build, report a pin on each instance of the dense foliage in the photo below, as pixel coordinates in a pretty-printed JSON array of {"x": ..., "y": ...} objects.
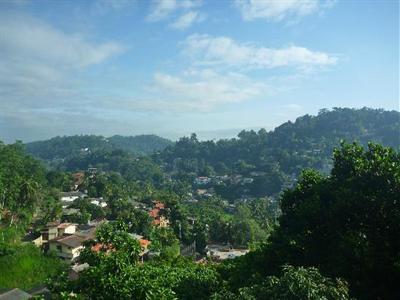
[
  {"x": 312, "y": 234},
  {"x": 346, "y": 224},
  {"x": 21, "y": 181},
  {"x": 24, "y": 266},
  {"x": 69, "y": 146},
  {"x": 279, "y": 155},
  {"x": 114, "y": 273}
]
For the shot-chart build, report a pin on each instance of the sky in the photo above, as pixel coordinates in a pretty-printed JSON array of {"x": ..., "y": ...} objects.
[{"x": 174, "y": 67}]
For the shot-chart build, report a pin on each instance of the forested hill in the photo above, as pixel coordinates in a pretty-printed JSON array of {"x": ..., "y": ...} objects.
[
  {"x": 307, "y": 142},
  {"x": 71, "y": 146}
]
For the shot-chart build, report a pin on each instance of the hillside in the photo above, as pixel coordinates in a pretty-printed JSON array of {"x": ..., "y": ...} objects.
[
  {"x": 71, "y": 146},
  {"x": 281, "y": 154},
  {"x": 270, "y": 160}
]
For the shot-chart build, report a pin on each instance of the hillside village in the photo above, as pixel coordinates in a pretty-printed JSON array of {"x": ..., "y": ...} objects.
[
  {"x": 207, "y": 219},
  {"x": 65, "y": 238}
]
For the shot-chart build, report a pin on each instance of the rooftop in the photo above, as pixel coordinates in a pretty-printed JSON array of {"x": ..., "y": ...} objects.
[
  {"x": 65, "y": 225},
  {"x": 73, "y": 241}
]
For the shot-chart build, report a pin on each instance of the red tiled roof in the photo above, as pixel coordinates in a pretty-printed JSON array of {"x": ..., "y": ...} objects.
[
  {"x": 100, "y": 246},
  {"x": 144, "y": 243},
  {"x": 159, "y": 205},
  {"x": 154, "y": 213}
]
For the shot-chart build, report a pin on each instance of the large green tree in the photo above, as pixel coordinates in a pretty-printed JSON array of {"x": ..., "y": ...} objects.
[{"x": 346, "y": 224}]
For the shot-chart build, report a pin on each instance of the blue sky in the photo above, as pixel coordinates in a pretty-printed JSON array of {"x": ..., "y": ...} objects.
[{"x": 175, "y": 67}]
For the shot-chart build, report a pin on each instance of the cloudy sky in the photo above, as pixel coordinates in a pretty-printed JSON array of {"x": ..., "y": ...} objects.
[{"x": 178, "y": 66}]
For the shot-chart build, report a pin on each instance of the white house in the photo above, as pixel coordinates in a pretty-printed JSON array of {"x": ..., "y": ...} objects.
[
  {"x": 67, "y": 247},
  {"x": 71, "y": 196},
  {"x": 202, "y": 180},
  {"x": 99, "y": 202}
]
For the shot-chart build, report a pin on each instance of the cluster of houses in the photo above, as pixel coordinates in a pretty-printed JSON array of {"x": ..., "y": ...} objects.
[
  {"x": 67, "y": 198},
  {"x": 66, "y": 239},
  {"x": 221, "y": 252},
  {"x": 158, "y": 214},
  {"x": 231, "y": 179}
]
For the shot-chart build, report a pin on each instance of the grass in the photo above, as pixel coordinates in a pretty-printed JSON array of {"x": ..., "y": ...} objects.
[{"x": 26, "y": 267}]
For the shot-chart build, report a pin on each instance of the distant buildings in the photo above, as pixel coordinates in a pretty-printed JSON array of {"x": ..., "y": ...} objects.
[
  {"x": 158, "y": 214},
  {"x": 66, "y": 239},
  {"x": 67, "y": 198},
  {"x": 71, "y": 196},
  {"x": 67, "y": 247},
  {"x": 202, "y": 180},
  {"x": 222, "y": 252}
]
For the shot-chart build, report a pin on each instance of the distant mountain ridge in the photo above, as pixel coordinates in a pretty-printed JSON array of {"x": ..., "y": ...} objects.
[
  {"x": 305, "y": 143},
  {"x": 62, "y": 147}
]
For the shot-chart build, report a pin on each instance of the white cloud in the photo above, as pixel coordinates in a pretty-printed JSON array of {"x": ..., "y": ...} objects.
[
  {"x": 36, "y": 58},
  {"x": 161, "y": 9},
  {"x": 278, "y": 10},
  {"x": 182, "y": 11},
  {"x": 195, "y": 90},
  {"x": 35, "y": 40},
  {"x": 103, "y": 7},
  {"x": 186, "y": 20},
  {"x": 224, "y": 51}
]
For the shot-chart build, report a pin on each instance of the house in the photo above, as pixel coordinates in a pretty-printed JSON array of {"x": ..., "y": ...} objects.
[
  {"x": 107, "y": 248},
  {"x": 247, "y": 180},
  {"x": 34, "y": 237},
  {"x": 76, "y": 269},
  {"x": 88, "y": 231},
  {"x": 98, "y": 201},
  {"x": 66, "y": 228},
  {"x": 66, "y": 198},
  {"x": 156, "y": 214},
  {"x": 159, "y": 205},
  {"x": 201, "y": 192},
  {"x": 92, "y": 172},
  {"x": 50, "y": 232},
  {"x": 78, "y": 178},
  {"x": 202, "y": 180},
  {"x": 222, "y": 252},
  {"x": 54, "y": 230},
  {"x": 144, "y": 245},
  {"x": 71, "y": 196},
  {"x": 67, "y": 247}
]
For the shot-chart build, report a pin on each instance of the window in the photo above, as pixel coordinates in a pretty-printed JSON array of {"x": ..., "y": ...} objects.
[{"x": 59, "y": 248}]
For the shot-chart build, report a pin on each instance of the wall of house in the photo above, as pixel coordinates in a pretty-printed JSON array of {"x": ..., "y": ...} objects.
[
  {"x": 69, "y": 198},
  {"x": 66, "y": 252},
  {"x": 68, "y": 230}
]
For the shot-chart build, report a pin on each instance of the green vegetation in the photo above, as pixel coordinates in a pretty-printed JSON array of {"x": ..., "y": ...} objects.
[
  {"x": 21, "y": 181},
  {"x": 280, "y": 155},
  {"x": 23, "y": 191},
  {"x": 346, "y": 224},
  {"x": 66, "y": 147},
  {"x": 340, "y": 226},
  {"x": 24, "y": 266},
  {"x": 295, "y": 283},
  {"x": 313, "y": 232}
]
